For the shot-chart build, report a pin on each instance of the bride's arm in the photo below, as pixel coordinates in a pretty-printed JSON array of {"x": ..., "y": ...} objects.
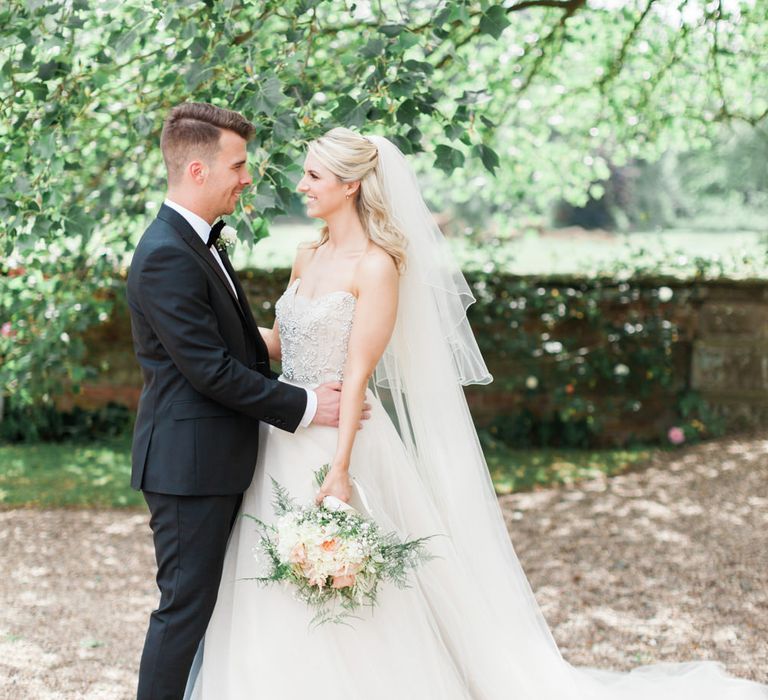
[
  {"x": 375, "y": 313},
  {"x": 271, "y": 336}
]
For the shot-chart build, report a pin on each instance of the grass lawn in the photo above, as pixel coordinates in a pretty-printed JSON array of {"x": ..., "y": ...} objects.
[
  {"x": 66, "y": 474},
  {"x": 557, "y": 253},
  {"x": 524, "y": 470},
  {"x": 50, "y": 475}
]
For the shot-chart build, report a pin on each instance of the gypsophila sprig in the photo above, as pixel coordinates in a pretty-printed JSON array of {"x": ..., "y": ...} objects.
[{"x": 335, "y": 560}]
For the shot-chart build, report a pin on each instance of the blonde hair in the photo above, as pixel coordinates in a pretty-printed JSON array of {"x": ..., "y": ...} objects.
[{"x": 352, "y": 158}]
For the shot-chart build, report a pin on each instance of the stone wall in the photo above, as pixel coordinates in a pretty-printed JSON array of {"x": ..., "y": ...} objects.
[
  {"x": 729, "y": 365},
  {"x": 722, "y": 353}
]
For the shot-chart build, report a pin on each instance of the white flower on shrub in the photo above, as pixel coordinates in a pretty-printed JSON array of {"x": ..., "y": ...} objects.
[
  {"x": 621, "y": 370},
  {"x": 553, "y": 347},
  {"x": 531, "y": 383},
  {"x": 665, "y": 294}
]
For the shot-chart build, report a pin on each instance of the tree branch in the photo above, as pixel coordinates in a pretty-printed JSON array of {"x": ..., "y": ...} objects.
[
  {"x": 618, "y": 62},
  {"x": 569, "y": 7},
  {"x": 572, "y": 8}
]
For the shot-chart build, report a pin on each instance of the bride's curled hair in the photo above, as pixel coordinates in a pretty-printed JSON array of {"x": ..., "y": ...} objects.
[{"x": 351, "y": 158}]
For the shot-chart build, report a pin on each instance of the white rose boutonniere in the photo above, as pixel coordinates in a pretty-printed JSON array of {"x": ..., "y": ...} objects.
[{"x": 227, "y": 238}]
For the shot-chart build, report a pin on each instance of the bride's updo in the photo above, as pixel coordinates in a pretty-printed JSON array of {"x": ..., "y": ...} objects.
[{"x": 352, "y": 157}]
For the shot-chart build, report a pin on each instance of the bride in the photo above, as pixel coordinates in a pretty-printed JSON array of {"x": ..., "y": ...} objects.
[{"x": 380, "y": 296}]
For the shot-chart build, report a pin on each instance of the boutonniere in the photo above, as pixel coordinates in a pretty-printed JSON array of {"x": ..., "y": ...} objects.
[{"x": 227, "y": 238}]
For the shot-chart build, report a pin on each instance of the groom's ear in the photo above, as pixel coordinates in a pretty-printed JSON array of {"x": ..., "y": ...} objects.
[{"x": 198, "y": 171}]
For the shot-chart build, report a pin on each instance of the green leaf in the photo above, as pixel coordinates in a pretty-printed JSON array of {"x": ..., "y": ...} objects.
[
  {"x": 27, "y": 61},
  {"x": 403, "y": 87},
  {"x": 194, "y": 75},
  {"x": 46, "y": 145},
  {"x": 494, "y": 21},
  {"x": 405, "y": 41},
  {"x": 351, "y": 113},
  {"x": 419, "y": 67},
  {"x": 284, "y": 127},
  {"x": 391, "y": 30},
  {"x": 403, "y": 144},
  {"x": 454, "y": 130},
  {"x": 407, "y": 112},
  {"x": 52, "y": 69},
  {"x": 198, "y": 47},
  {"x": 488, "y": 156},
  {"x": 442, "y": 17},
  {"x": 447, "y": 158},
  {"x": 375, "y": 47},
  {"x": 268, "y": 96}
]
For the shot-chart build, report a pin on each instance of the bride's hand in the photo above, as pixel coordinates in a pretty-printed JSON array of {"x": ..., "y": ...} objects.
[{"x": 336, "y": 483}]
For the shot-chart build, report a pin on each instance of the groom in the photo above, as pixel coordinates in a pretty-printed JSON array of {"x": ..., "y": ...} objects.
[{"x": 207, "y": 385}]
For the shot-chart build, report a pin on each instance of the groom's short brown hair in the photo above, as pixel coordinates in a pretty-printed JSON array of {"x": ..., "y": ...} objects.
[{"x": 193, "y": 129}]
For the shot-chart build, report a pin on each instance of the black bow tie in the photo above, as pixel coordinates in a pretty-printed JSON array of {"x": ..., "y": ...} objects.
[{"x": 213, "y": 236}]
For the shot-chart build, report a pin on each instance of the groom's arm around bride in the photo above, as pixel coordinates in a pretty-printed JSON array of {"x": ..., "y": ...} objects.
[{"x": 207, "y": 385}]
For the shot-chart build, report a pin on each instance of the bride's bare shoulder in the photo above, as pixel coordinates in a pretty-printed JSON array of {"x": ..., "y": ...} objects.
[
  {"x": 304, "y": 253},
  {"x": 376, "y": 267},
  {"x": 378, "y": 261}
]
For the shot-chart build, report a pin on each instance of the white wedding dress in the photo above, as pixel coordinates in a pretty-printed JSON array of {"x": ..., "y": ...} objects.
[{"x": 437, "y": 640}]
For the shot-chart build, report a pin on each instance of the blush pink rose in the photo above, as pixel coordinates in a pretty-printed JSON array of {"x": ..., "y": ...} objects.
[
  {"x": 318, "y": 581},
  {"x": 676, "y": 435},
  {"x": 343, "y": 581},
  {"x": 298, "y": 554}
]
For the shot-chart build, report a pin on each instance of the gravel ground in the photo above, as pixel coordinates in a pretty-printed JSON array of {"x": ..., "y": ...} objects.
[{"x": 668, "y": 563}]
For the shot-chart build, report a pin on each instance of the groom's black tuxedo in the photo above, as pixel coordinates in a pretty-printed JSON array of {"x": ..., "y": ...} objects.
[
  {"x": 207, "y": 384},
  {"x": 206, "y": 372}
]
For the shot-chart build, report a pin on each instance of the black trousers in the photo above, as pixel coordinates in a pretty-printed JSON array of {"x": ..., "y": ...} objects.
[{"x": 190, "y": 535}]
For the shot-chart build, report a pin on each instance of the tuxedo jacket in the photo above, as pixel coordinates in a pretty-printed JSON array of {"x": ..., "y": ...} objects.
[{"x": 207, "y": 381}]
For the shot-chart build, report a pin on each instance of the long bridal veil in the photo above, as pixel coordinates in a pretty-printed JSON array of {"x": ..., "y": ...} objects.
[{"x": 482, "y": 603}]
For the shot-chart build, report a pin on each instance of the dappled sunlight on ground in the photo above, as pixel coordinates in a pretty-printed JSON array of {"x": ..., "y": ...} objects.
[
  {"x": 76, "y": 591},
  {"x": 668, "y": 563},
  {"x": 665, "y": 564}
]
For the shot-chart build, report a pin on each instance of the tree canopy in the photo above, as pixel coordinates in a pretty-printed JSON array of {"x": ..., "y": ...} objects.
[{"x": 512, "y": 102}]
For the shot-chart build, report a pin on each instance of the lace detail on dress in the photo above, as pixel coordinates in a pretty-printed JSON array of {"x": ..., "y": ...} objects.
[{"x": 314, "y": 335}]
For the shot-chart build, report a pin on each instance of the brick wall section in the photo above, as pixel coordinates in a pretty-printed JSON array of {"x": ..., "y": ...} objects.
[{"x": 723, "y": 353}]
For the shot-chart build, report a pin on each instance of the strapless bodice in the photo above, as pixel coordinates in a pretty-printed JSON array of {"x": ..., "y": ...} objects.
[{"x": 314, "y": 335}]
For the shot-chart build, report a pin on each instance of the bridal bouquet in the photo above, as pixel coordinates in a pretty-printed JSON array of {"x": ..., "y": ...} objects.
[{"x": 334, "y": 559}]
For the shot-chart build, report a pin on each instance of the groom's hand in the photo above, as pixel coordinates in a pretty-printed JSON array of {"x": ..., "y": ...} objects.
[{"x": 328, "y": 400}]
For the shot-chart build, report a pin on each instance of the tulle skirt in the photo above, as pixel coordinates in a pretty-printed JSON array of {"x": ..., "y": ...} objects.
[{"x": 435, "y": 640}]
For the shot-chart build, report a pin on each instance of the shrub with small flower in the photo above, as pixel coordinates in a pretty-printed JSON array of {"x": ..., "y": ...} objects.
[{"x": 587, "y": 358}]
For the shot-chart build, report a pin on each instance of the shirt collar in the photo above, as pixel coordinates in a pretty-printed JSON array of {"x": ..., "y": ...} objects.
[{"x": 201, "y": 226}]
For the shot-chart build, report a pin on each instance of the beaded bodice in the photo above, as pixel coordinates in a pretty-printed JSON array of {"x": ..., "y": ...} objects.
[{"x": 314, "y": 334}]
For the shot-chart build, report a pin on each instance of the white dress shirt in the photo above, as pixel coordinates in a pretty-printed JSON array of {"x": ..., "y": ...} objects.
[{"x": 203, "y": 229}]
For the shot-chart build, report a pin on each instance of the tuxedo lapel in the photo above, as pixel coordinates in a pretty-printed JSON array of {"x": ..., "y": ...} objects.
[
  {"x": 243, "y": 301},
  {"x": 235, "y": 280},
  {"x": 190, "y": 237}
]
